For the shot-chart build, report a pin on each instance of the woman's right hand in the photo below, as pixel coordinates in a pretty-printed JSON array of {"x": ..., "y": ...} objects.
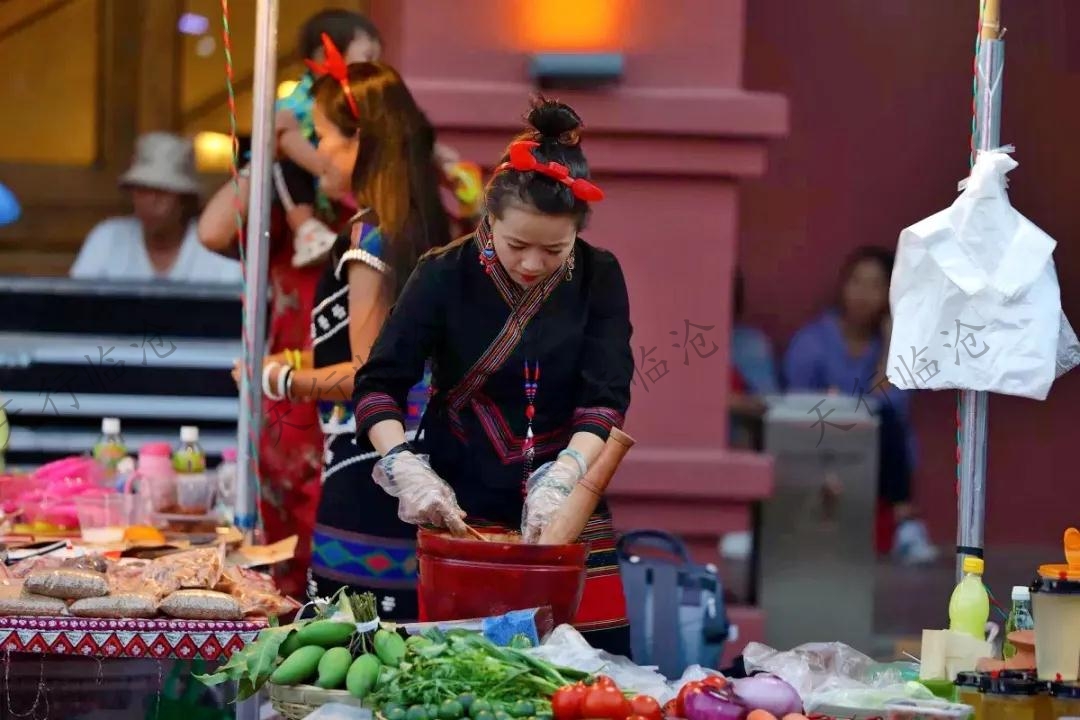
[{"x": 423, "y": 496}]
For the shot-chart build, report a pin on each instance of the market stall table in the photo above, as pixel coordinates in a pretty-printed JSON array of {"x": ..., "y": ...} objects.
[{"x": 157, "y": 639}]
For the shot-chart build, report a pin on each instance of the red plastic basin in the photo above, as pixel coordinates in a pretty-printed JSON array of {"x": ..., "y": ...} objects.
[{"x": 461, "y": 579}]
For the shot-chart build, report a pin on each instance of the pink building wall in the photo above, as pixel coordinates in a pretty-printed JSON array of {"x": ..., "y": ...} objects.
[{"x": 671, "y": 146}]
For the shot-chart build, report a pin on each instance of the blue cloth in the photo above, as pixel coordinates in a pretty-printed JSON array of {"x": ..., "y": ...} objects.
[
  {"x": 752, "y": 355},
  {"x": 817, "y": 360},
  {"x": 501, "y": 629}
]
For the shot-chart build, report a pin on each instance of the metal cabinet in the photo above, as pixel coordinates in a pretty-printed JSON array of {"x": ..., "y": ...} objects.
[{"x": 817, "y": 530}]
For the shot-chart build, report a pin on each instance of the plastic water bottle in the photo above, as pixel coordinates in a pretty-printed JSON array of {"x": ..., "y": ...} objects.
[
  {"x": 109, "y": 449},
  {"x": 969, "y": 606},
  {"x": 1020, "y": 617},
  {"x": 226, "y": 483},
  {"x": 194, "y": 489}
]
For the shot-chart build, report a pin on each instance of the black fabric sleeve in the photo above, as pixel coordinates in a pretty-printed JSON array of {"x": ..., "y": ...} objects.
[
  {"x": 398, "y": 357},
  {"x": 299, "y": 182},
  {"x": 607, "y": 362}
]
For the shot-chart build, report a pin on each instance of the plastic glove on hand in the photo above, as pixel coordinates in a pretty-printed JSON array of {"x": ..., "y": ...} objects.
[
  {"x": 424, "y": 498},
  {"x": 546, "y": 491}
]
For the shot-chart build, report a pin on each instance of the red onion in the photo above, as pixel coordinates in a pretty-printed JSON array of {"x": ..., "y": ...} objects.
[
  {"x": 713, "y": 704},
  {"x": 769, "y": 693}
]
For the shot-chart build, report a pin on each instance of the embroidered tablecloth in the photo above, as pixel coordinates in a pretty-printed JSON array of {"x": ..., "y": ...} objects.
[{"x": 158, "y": 638}]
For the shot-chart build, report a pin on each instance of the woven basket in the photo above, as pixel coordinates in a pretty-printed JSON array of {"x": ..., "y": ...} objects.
[{"x": 296, "y": 702}]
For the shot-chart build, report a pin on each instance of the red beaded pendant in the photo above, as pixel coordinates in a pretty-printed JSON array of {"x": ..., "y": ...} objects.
[{"x": 532, "y": 379}]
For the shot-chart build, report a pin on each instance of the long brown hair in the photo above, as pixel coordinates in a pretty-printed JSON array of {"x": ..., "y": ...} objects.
[{"x": 395, "y": 173}]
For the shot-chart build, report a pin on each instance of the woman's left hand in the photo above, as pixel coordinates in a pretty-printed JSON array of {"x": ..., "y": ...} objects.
[{"x": 546, "y": 491}]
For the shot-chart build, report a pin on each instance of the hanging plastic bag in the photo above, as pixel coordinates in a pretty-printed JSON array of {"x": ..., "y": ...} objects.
[{"x": 975, "y": 298}]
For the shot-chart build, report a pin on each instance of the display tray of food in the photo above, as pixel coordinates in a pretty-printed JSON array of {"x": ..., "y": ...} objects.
[
  {"x": 194, "y": 584},
  {"x": 183, "y": 604},
  {"x": 344, "y": 654}
]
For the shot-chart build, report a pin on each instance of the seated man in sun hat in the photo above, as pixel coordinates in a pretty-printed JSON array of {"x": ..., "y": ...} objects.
[{"x": 159, "y": 241}]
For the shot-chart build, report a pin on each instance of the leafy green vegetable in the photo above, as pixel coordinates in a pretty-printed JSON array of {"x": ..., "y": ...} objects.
[
  {"x": 251, "y": 667},
  {"x": 465, "y": 667}
]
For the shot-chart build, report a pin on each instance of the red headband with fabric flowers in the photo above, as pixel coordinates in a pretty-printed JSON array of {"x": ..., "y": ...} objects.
[
  {"x": 336, "y": 68},
  {"x": 523, "y": 160}
]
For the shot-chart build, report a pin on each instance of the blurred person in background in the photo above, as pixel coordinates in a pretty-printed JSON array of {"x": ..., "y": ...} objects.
[
  {"x": 753, "y": 376},
  {"x": 753, "y": 363},
  {"x": 845, "y": 351},
  {"x": 160, "y": 240}
]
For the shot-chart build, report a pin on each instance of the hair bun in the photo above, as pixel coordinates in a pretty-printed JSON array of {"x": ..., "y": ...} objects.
[{"x": 554, "y": 121}]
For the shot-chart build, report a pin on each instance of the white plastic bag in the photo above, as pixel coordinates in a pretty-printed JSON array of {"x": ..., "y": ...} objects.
[
  {"x": 975, "y": 297},
  {"x": 566, "y": 646},
  {"x": 834, "y": 675}
]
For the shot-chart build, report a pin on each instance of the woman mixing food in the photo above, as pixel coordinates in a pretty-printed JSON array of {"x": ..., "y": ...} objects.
[{"x": 527, "y": 327}]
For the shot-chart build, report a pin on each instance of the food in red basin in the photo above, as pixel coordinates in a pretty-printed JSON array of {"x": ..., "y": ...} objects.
[{"x": 468, "y": 578}]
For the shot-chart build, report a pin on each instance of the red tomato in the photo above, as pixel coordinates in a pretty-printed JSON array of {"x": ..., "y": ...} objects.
[
  {"x": 671, "y": 709},
  {"x": 603, "y": 681},
  {"x": 566, "y": 703},
  {"x": 636, "y": 717},
  {"x": 606, "y": 703},
  {"x": 715, "y": 681},
  {"x": 680, "y": 702},
  {"x": 646, "y": 707}
]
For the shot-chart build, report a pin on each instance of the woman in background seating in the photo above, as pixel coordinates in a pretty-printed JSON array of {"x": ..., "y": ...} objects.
[{"x": 845, "y": 351}]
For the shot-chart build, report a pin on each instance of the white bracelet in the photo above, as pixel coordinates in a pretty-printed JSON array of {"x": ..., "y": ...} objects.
[
  {"x": 267, "y": 391},
  {"x": 284, "y": 380},
  {"x": 577, "y": 457}
]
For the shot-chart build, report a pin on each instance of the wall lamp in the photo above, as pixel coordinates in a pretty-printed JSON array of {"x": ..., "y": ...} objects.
[{"x": 575, "y": 71}]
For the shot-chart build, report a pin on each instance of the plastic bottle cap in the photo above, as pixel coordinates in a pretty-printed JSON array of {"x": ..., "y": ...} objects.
[
  {"x": 229, "y": 454},
  {"x": 1019, "y": 592},
  {"x": 110, "y": 426},
  {"x": 974, "y": 565},
  {"x": 189, "y": 434}
]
